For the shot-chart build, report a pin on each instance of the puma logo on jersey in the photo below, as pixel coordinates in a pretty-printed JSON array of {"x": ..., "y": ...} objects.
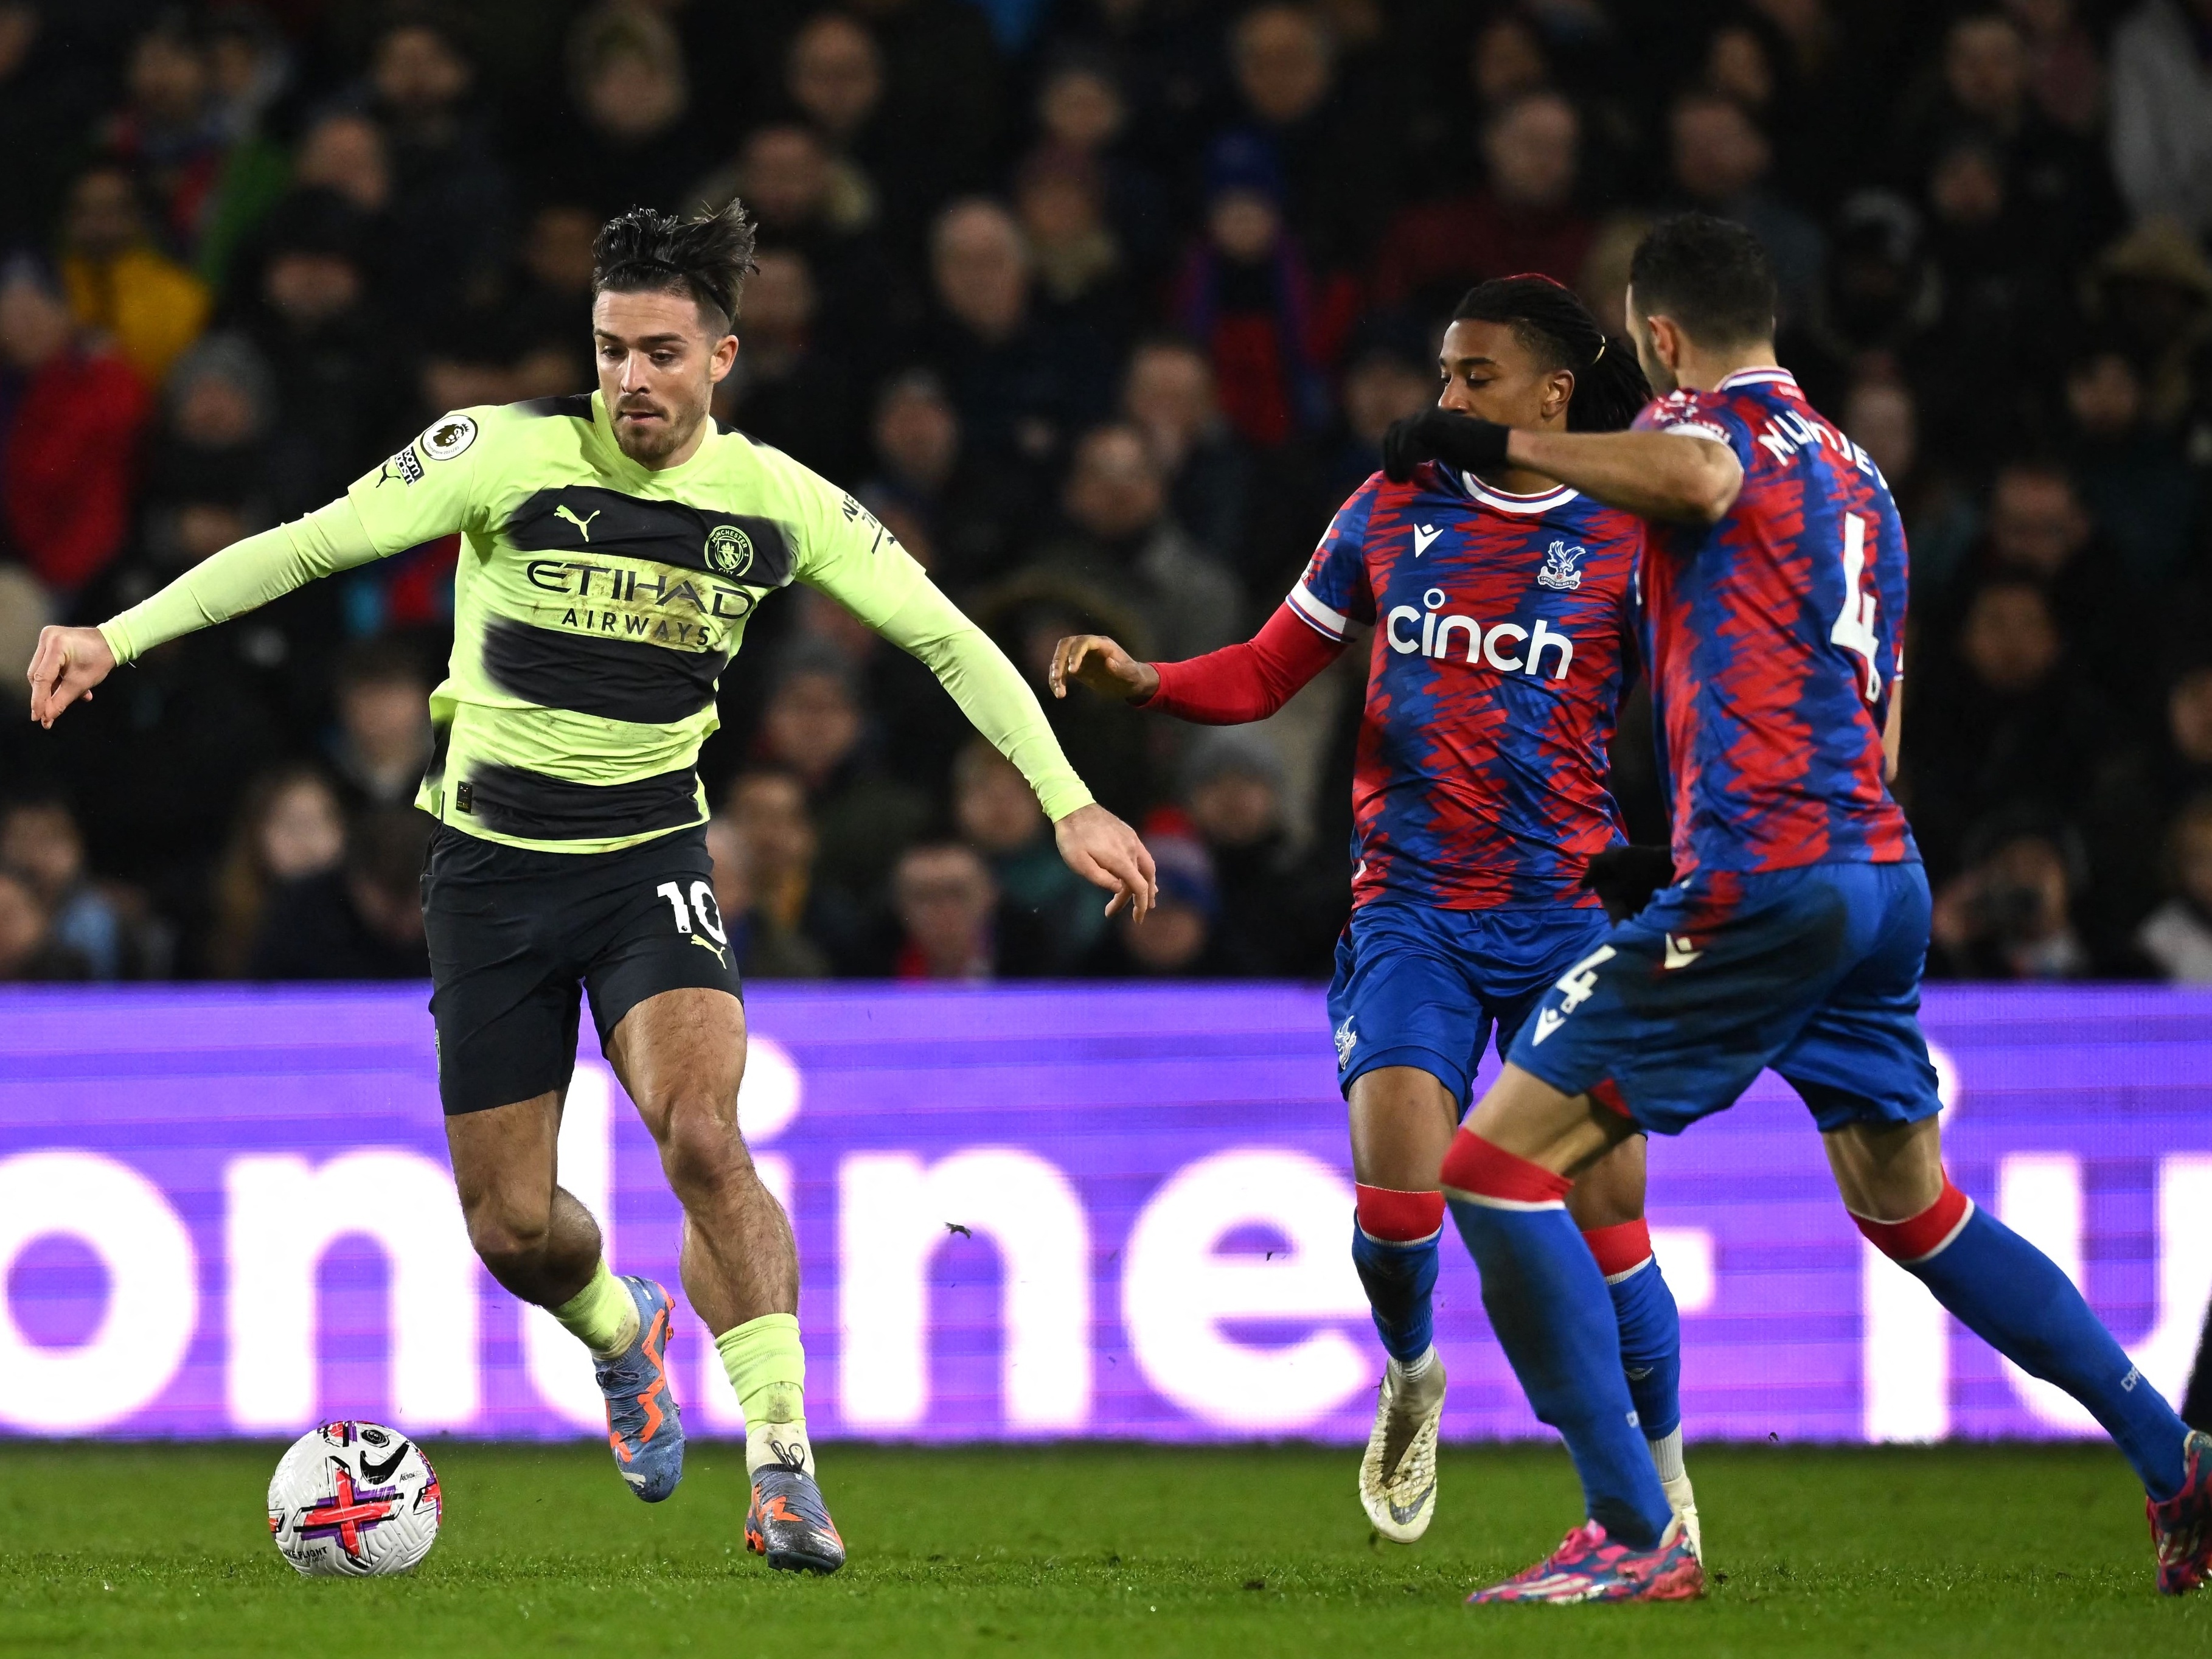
[
  {"x": 1424, "y": 537},
  {"x": 583, "y": 524},
  {"x": 721, "y": 955},
  {"x": 1679, "y": 953}
]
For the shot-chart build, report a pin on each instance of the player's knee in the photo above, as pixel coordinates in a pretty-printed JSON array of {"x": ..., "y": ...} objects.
[
  {"x": 700, "y": 1147},
  {"x": 508, "y": 1233}
]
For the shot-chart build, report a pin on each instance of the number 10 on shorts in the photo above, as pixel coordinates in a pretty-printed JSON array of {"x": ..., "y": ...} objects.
[{"x": 701, "y": 905}]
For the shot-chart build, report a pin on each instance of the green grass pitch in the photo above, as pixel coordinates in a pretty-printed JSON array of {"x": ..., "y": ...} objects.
[{"x": 2011, "y": 1551}]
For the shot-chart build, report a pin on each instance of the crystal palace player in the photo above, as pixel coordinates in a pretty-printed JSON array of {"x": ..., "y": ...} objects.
[
  {"x": 1774, "y": 583},
  {"x": 614, "y": 546},
  {"x": 1502, "y": 611}
]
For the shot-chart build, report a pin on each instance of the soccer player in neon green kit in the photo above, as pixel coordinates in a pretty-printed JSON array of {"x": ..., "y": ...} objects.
[{"x": 613, "y": 547}]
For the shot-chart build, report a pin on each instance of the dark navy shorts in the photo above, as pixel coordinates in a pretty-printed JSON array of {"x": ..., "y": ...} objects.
[
  {"x": 1425, "y": 988},
  {"x": 1814, "y": 971},
  {"x": 517, "y": 936}
]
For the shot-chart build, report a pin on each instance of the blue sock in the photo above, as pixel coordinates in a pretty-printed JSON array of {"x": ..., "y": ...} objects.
[
  {"x": 1650, "y": 1347},
  {"x": 2013, "y": 1296},
  {"x": 1400, "y": 1280},
  {"x": 1547, "y": 1303}
]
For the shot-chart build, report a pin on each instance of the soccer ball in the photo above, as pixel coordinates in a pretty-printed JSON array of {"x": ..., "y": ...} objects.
[{"x": 352, "y": 1499}]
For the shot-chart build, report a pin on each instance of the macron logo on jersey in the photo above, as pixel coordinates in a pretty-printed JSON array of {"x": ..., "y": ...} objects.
[{"x": 1424, "y": 537}]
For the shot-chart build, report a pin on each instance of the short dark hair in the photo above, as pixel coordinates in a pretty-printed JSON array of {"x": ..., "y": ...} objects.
[
  {"x": 708, "y": 256},
  {"x": 1709, "y": 274},
  {"x": 1547, "y": 319}
]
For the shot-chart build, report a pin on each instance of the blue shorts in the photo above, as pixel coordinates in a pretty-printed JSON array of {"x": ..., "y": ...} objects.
[
  {"x": 1814, "y": 972},
  {"x": 1423, "y": 987}
]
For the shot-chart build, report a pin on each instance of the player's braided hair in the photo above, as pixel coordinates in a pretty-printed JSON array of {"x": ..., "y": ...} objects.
[
  {"x": 708, "y": 257},
  {"x": 1546, "y": 317}
]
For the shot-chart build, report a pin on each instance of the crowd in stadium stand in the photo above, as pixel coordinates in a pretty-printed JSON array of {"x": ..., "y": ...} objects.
[{"x": 1103, "y": 305}]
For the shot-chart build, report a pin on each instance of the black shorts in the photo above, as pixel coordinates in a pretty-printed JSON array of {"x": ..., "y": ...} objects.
[{"x": 516, "y": 936}]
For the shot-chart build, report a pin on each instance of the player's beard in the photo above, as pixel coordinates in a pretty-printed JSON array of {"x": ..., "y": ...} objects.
[{"x": 658, "y": 439}]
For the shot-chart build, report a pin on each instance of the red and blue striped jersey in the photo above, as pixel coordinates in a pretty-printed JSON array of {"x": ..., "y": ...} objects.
[
  {"x": 1503, "y": 628},
  {"x": 1774, "y": 638}
]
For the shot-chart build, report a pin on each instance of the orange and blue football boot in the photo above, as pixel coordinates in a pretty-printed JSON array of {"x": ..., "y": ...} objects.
[
  {"x": 789, "y": 1523},
  {"x": 1589, "y": 1566},
  {"x": 2181, "y": 1527},
  {"x": 643, "y": 1426}
]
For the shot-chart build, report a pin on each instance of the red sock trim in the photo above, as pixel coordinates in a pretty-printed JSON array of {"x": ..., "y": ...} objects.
[
  {"x": 1486, "y": 1173},
  {"x": 1396, "y": 1217},
  {"x": 1924, "y": 1235},
  {"x": 1620, "y": 1250}
]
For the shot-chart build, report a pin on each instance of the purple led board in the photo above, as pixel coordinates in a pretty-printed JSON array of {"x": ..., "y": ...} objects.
[{"x": 226, "y": 1211}]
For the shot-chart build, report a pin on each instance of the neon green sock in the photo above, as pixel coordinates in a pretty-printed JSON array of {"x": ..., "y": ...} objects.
[
  {"x": 768, "y": 1369},
  {"x": 603, "y": 1315}
]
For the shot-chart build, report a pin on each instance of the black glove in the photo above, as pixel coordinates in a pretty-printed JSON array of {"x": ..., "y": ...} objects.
[
  {"x": 1625, "y": 878},
  {"x": 1461, "y": 441}
]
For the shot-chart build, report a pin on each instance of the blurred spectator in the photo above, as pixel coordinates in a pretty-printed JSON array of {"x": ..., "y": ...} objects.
[
  {"x": 1168, "y": 395},
  {"x": 2154, "y": 288},
  {"x": 2009, "y": 915},
  {"x": 2137, "y": 484},
  {"x": 119, "y": 283},
  {"x": 2177, "y": 936},
  {"x": 834, "y": 75},
  {"x": 2162, "y": 111},
  {"x": 2065, "y": 76},
  {"x": 2140, "y": 788},
  {"x": 761, "y": 947},
  {"x": 1276, "y": 920},
  {"x": 549, "y": 312},
  {"x": 1060, "y": 196},
  {"x": 952, "y": 926},
  {"x": 804, "y": 198},
  {"x": 342, "y": 391},
  {"x": 452, "y": 224},
  {"x": 211, "y": 172},
  {"x": 967, "y": 509},
  {"x": 28, "y": 950},
  {"x": 1018, "y": 383},
  {"x": 1524, "y": 219},
  {"x": 941, "y": 109},
  {"x": 382, "y": 741},
  {"x": 345, "y": 151},
  {"x": 1269, "y": 323},
  {"x": 767, "y": 810},
  {"x": 69, "y": 416},
  {"x": 1120, "y": 539},
  {"x": 1941, "y": 523},
  {"x": 790, "y": 387},
  {"x": 1722, "y": 164},
  {"x": 47, "y": 97},
  {"x": 915, "y": 729},
  {"x": 1283, "y": 66},
  {"x": 2039, "y": 526},
  {"x": 360, "y": 921},
  {"x": 1999, "y": 719},
  {"x": 815, "y": 727},
  {"x": 1982, "y": 91},
  {"x": 997, "y": 815},
  {"x": 1385, "y": 381},
  {"x": 1878, "y": 302},
  {"x": 1178, "y": 939},
  {"x": 290, "y": 827},
  {"x": 626, "y": 139},
  {"x": 1082, "y": 109},
  {"x": 39, "y": 842}
]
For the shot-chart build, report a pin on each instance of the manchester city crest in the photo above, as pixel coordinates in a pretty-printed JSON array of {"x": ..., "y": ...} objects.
[{"x": 729, "y": 550}]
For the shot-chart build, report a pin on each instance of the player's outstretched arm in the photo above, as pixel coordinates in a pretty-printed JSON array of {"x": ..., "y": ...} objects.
[
  {"x": 1654, "y": 475},
  {"x": 247, "y": 574},
  {"x": 1106, "y": 853},
  {"x": 68, "y": 664},
  {"x": 1228, "y": 687}
]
